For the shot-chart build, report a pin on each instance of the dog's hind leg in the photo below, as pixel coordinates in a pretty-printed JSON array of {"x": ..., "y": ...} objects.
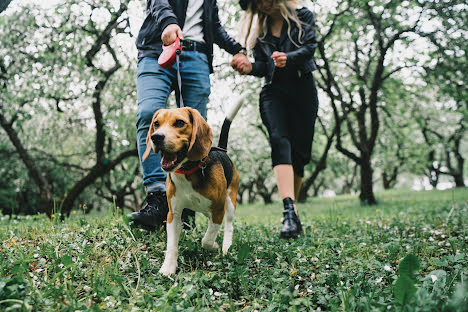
[
  {"x": 174, "y": 226},
  {"x": 209, "y": 240},
  {"x": 228, "y": 227},
  {"x": 214, "y": 224}
]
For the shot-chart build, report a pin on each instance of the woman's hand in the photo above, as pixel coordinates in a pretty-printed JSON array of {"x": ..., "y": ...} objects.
[
  {"x": 241, "y": 64},
  {"x": 279, "y": 58},
  {"x": 170, "y": 33}
]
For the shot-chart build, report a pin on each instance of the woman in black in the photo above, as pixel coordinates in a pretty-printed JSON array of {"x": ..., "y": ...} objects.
[{"x": 283, "y": 39}]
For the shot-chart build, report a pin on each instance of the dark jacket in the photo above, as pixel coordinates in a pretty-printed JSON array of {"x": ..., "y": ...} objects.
[
  {"x": 298, "y": 59},
  {"x": 161, "y": 13}
]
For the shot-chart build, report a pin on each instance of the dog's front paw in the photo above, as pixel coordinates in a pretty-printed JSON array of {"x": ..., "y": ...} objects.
[
  {"x": 226, "y": 249},
  {"x": 209, "y": 246},
  {"x": 168, "y": 269}
]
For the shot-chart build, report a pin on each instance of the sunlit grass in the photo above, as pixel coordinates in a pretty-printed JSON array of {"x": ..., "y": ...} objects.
[{"x": 347, "y": 259}]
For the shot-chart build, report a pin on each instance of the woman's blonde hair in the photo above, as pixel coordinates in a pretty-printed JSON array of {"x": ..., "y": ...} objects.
[{"x": 254, "y": 26}]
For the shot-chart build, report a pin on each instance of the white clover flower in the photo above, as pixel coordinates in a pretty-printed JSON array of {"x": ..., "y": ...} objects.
[
  {"x": 434, "y": 278},
  {"x": 387, "y": 268},
  {"x": 379, "y": 280}
]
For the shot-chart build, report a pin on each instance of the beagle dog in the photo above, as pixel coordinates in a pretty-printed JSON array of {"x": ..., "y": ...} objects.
[{"x": 199, "y": 177}]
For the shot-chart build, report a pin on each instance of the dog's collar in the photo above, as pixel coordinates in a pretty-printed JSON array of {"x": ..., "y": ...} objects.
[{"x": 192, "y": 167}]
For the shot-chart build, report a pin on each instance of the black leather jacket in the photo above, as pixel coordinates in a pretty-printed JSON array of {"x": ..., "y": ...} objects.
[
  {"x": 298, "y": 59},
  {"x": 161, "y": 13}
]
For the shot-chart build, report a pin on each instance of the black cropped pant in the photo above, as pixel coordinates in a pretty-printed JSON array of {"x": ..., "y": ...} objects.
[{"x": 288, "y": 109}]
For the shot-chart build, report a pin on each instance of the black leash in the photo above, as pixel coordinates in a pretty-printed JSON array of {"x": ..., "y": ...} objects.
[{"x": 179, "y": 80}]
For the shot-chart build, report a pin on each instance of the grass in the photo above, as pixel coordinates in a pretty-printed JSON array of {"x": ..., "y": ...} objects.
[{"x": 349, "y": 259}]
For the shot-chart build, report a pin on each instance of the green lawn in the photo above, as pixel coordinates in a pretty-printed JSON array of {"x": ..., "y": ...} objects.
[{"x": 347, "y": 260}]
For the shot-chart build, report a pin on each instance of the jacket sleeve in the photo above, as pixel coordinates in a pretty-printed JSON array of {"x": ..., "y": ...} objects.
[
  {"x": 260, "y": 66},
  {"x": 162, "y": 13},
  {"x": 221, "y": 37},
  {"x": 306, "y": 51}
]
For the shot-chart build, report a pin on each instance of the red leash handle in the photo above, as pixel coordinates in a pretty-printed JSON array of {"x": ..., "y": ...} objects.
[{"x": 169, "y": 54}]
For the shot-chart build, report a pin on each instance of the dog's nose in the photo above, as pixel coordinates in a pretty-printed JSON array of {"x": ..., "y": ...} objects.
[{"x": 157, "y": 138}]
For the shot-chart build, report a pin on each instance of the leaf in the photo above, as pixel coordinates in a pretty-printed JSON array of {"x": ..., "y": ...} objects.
[
  {"x": 404, "y": 289},
  {"x": 67, "y": 260},
  {"x": 435, "y": 280},
  {"x": 244, "y": 251},
  {"x": 408, "y": 265}
]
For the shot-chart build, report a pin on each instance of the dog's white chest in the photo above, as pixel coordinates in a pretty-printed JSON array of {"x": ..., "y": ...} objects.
[{"x": 186, "y": 197}]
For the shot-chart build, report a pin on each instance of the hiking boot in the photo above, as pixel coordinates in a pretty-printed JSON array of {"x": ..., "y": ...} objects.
[
  {"x": 292, "y": 226},
  {"x": 154, "y": 214}
]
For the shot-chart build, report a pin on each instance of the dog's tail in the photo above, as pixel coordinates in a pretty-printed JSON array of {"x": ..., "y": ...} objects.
[{"x": 223, "y": 137}]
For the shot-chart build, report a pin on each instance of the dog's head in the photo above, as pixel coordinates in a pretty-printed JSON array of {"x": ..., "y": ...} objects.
[{"x": 179, "y": 134}]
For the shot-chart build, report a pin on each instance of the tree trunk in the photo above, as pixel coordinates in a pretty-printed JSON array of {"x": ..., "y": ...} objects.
[
  {"x": 240, "y": 193},
  {"x": 367, "y": 192},
  {"x": 251, "y": 193},
  {"x": 45, "y": 204},
  {"x": 458, "y": 177},
  {"x": 388, "y": 180},
  {"x": 459, "y": 180},
  {"x": 95, "y": 173}
]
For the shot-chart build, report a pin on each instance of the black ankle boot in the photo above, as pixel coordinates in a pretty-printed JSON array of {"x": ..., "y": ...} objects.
[
  {"x": 188, "y": 219},
  {"x": 292, "y": 226},
  {"x": 154, "y": 214}
]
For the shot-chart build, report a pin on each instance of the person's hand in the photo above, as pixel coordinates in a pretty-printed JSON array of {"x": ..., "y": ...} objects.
[
  {"x": 170, "y": 33},
  {"x": 241, "y": 63},
  {"x": 279, "y": 58}
]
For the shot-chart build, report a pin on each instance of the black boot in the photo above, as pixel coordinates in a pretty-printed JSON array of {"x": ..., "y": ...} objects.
[
  {"x": 154, "y": 214},
  {"x": 188, "y": 219},
  {"x": 292, "y": 226}
]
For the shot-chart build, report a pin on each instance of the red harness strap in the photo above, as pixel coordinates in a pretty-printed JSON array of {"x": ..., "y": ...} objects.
[{"x": 192, "y": 170}]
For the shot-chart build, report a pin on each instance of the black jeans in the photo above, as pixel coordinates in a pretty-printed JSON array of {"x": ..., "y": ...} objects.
[{"x": 289, "y": 109}]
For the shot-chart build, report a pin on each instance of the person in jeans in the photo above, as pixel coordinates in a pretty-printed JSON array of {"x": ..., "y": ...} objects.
[
  {"x": 197, "y": 24},
  {"x": 282, "y": 36}
]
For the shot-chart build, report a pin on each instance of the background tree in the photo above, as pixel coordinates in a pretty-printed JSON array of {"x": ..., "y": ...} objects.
[
  {"x": 355, "y": 58},
  {"x": 74, "y": 59},
  {"x": 446, "y": 70}
]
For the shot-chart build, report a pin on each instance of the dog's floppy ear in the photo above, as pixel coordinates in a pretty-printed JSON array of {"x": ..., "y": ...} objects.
[
  {"x": 200, "y": 143},
  {"x": 149, "y": 144}
]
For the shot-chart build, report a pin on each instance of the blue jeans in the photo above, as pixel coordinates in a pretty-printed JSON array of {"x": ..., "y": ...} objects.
[{"x": 154, "y": 84}]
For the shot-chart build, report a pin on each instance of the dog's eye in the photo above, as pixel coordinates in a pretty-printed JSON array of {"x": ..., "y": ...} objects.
[
  {"x": 156, "y": 124},
  {"x": 179, "y": 123}
]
